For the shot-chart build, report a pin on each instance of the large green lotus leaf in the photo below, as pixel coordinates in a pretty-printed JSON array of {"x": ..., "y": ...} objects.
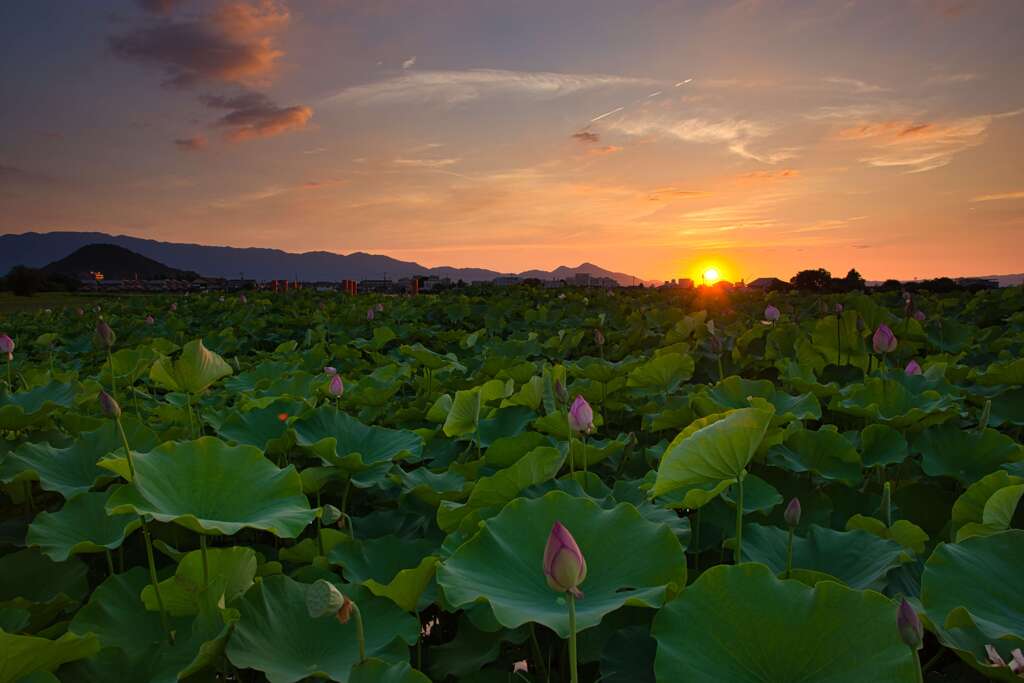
[
  {"x": 464, "y": 415},
  {"x": 1008, "y": 408},
  {"x": 235, "y": 567},
  {"x": 378, "y": 671},
  {"x": 429, "y": 359},
  {"x": 832, "y": 337},
  {"x": 258, "y": 377},
  {"x": 73, "y": 470},
  {"x": 966, "y": 455},
  {"x": 276, "y": 635},
  {"x": 431, "y": 487},
  {"x": 408, "y": 587},
  {"x": 758, "y": 495},
  {"x": 14, "y": 619},
  {"x": 715, "y": 454},
  {"x": 1009, "y": 372},
  {"x": 663, "y": 374},
  {"x": 34, "y": 582},
  {"x": 530, "y": 394},
  {"x": 345, "y": 442},
  {"x": 628, "y": 656},
  {"x": 194, "y": 370},
  {"x": 743, "y": 625},
  {"x": 594, "y": 450},
  {"x": 262, "y": 428},
  {"x": 504, "y": 422},
  {"x": 81, "y": 526},
  {"x": 508, "y": 449},
  {"x": 825, "y": 452},
  {"x": 969, "y": 510},
  {"x": 734, "y": 392},
  {"x": 599, "y": 369},
  {"x": 210, "y": 487},
  {"x": 630, "y": 561},
  {"x": 23, "y": 656},
  {"x": 379, "y": 559},
  {"x": 24, "y": 409},
  {"x": 537, "y": 466},
  {"x": 857, "y": 558},
  {"x": 904, "y": 532},
  {"x": 882, "y": 445},
  {"x": 890, "y": 402},
  {"x": 970, "y": 592},
  {"x": 472, "y": 648}
]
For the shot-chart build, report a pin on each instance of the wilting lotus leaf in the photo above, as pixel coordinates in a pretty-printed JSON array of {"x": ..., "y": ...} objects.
[
  {"x": 24, "y": 409},
  {"x": 630, "y": 561},
  {"x": 24, "y": 656},
  {"x": 966, "y": 455},
  {"x": 210, "y": 487},
  {"x": 234, "y": 567},
  {"x": 74, "y": 470},
  {"x": 539, "y": 465},
  {"x": 857, "y": 558},
  {"x": 711, "y": 454},
  {"x": 345, "y": 442},
  {"x": 882, "y": 445},
  {"x": 194, "y": 370},
  {"x": 81, "y": 526},
  {"x": 735, "y": 392},
  {"x": 663, "y": 374},
  {"x": 890, "y": 402},
  {"x": 970, "y": 592},
  {"x": 741, "y": 624},
  {"x": 276, "y": 635},
  {"x": 825, "y": 452}
]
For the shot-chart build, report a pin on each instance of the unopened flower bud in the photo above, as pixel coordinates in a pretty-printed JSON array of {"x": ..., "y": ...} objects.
[
  {"x": 792, "y": 513},
  {"x": 108, "y": 406},
  {"x": 909, "y": 626}
]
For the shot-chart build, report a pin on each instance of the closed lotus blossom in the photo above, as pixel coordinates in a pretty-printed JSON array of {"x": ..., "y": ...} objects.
[
  {"x": 771, "y": 313},
  {"x": 380, "y": 308},
  {"x": 150, "y": 320},
  {"x": 105, "y": 333},
  {"x": 919, "y": 315},
  {"x": 174, "y": 307},
  {"x": 242, "y": 299},
  {"x": 599, "y": 337},
  {"x": 7, "y": 346},
  {"x": 565, "y": 568},
  {"x": 336, "y": 386},
  {"x": 909, "y": 625},
  {"x": 792, "y": 513},
  {"x": 839, "y": 309},
  {"x": 561, "y": 395},
  {"x": 369, "y": 313},
  {"x": 913, "y": 368},
  {"x": 581, "y": 415},
  {"x": 330, "y": 370},
  {"x": 883, "y": 341}
]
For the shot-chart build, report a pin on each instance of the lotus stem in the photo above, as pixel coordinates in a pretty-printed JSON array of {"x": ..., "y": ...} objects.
[
  {"x": 206, "y": 562},
  {"x": 583, "y": 442},
  {"x": 568, "y": 425},
  {"x": 10, "y": 375},
  {"x": 721, "y": 371},
  {"x": 739, "y": 517},
  {"x": 319, "y": 535},
  {"x": 535, "y": 647},
  {"x": 573, "y": 674},
  {"x": 110, "y": 563},
  {"x": 789, "y": 554},
  {"x": 360, "y": 635},
  {"x": 839, "y": 340},
  {"x": 917, "y": 665},
  {"x": 113, "y": 380}
]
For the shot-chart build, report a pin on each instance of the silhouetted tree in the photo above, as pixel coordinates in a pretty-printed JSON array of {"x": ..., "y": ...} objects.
[
  {"x": 816, "y": 280},
  {"x": 853, "y": 281},
  {"x": 890, "y": 286},
  {"x": 24, "y": 281}
]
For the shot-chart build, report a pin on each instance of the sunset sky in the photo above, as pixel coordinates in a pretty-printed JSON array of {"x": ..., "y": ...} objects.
[{"x": 654, "y": 138}]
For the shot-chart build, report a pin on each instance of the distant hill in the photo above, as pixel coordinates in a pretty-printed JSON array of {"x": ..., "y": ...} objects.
[
  {"x": 38, "y": 249},
  {"x": 116, "y": 263}
]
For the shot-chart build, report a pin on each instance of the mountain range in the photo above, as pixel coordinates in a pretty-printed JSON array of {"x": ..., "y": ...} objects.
[
  {"x": 36, "y": 250},
  {"x": 116, "y": 263}
]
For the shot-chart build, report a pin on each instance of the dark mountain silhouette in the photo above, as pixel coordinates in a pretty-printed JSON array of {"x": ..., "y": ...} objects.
[
  {"x": 38, "y": 249},
  {"x": 116, "y": 263}
]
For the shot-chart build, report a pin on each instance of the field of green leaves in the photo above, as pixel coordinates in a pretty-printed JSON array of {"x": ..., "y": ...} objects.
[{"x": 514, "y": 485}]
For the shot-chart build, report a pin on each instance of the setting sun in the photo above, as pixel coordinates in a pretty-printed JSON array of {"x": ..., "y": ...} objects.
[{"x": 711, "y": 276}]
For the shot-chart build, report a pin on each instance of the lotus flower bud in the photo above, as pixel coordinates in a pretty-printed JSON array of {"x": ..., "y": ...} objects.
[
  {"x": 174, "y": 307},
  {"x": 564, "y": 565},
  {"x": 7, "y": 346},
  {"x": 913, "y": 368},
  {"x": 561, "y": 395},
  {"x": 330, "y": 515},
  {"x": 771, "y": 314},
  {"x": 336, "y": 386},
  {"x": 150, "y": 320},
  {"x": 323, "y": 598},
  {"x": 792, "y": 513},
  {"x": 919, "y": 315},
  {"x": 581, "y": 415},
  {"x": 108, "y": 406},
  {"x": 909, "y": 626},
  {"x": 883, "y": 341},
  {"x": 715, "y": 344},
  {"x": 599, "y": 337},
  {"x": 330, "y": 370},
  {"x": 105, "y": 333},
  {"x": 380, "y": 308},
  {"x": 242, "y": 298},
  {"x": 369, "y": 313},
  {"x": 79, "y": 312},
  {"x": 839, "y": 309}
]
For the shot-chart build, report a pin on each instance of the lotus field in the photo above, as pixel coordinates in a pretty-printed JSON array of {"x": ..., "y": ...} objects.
[{"x": 514, "y": 485}]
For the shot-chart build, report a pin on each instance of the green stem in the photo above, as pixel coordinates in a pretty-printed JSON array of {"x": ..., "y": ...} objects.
[
  {"x": 113, "y": 381},
  {"x": 191, "y": 422},
  {"x": 110, "y": 563},
  {"x": 319, "y": 535},
  {"x": 573, "y": 675},
  {"x": 721, "y": 371},
  {"x": 568, "y": 426},
  {"x": 535, "y": 646},
  {"x": 10, "y": 375},
  {"x": 206, "y": 562},
  {"x": 917, "y": 666},
  {"x": 739, "y": 517},
  {"x": 583, "y": 442},
  {"x": 839, "y": 341},
  {"x": 789, "y": 555},
  {"x": 360, "y": 637}
]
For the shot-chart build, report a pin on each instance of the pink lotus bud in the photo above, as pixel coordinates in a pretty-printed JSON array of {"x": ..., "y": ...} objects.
[
  {"x": 150, "y": 320},
  {"x": 7, "y": 346},
  {"x": 913, "y": 368},
  {"x": 336, "y": 386},
  {"x": 564, "y": 565},
  {"x": 105, "y": 333},
  {"x": 883, "y": 341},
  {"x": 108, "y": 406},
  {"x": 919, "y": 315},
  {"x": 771, "y": 314},
  {"x": 521, "y": 665},
  {"x": 581, "y": 415},
  {"x": 242, "y": 299},
  {"x": 369, "y": 313},
  {"x": 839, "y": 309},
  {"x": 909, "y": 626},
  {"x": 174, "y": 307},
  {"x": 792, "y": 513},
  {"x": 599, "y": 337},
  {"x": 561, "y": 395},
  {"x": 330, "y": 370},
  {"x": 380, "y": 308}
]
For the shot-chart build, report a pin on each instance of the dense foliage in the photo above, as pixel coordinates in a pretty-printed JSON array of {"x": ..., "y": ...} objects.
[{"x": 289, "y": 486}]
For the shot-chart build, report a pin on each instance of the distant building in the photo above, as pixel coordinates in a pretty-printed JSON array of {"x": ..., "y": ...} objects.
[
  {"x": 506, "y": 280},
  {"x": 681, "y": 283},
  {"x": 976, "y": 283},
  {"x": 588, "y": 280},
  {"x": 768, "y": 284},
  {"x": 374, "y": 285}
]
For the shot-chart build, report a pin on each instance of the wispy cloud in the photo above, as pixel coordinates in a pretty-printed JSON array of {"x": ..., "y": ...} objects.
[
  {"x": 854, "y": 85},
  {"x": 409, "y": 63},
  {"x": 254, "y": 115},
  {"x": 736, "y": 134},
  {"x": 952, "y": 79},
  {"x": 999, "y": 196},
  {"x": 192, "y": 144},
  {"x": 457, "y": 87},
  {"x": 426, "y": 163},
  {"x": 586, "y": 136}
]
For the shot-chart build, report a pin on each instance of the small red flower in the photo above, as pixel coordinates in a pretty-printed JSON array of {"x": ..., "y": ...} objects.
[{"x": 282, "y": 416}]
